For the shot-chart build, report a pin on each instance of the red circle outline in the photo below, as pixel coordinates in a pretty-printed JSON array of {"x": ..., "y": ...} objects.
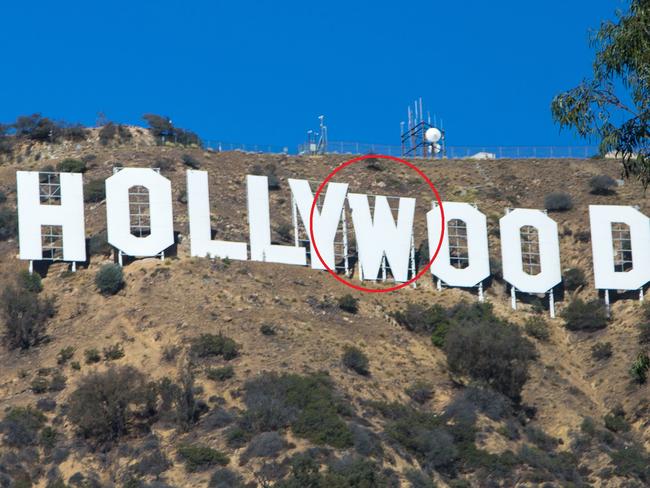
[{"x": 313, "y": 207}]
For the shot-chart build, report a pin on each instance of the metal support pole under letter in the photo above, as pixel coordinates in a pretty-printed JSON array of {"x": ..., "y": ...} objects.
[
  {"x": 294, "y": 220},
  {"x": 607, "y": 302},
  {"x": 641, "y": 294},
  {"x": 551, "y": 303},
  {"x": 413, "y": 273},
  {"x": 31, "y": 267},
  {"x": 346, "y": 264},
  {"x": 119, "y": 258},
  {"x": 74, "y": 266},
  {"x": 513, "y": 298},
  {"x": 481, "y": 297},
  {"x": 383, "y": 268}
]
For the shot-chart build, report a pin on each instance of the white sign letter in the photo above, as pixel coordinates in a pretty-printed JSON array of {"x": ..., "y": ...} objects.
[
  {"x": 606, "y": 277},
  {"x": 259, "y": 223},
  {"x": 379, "y": 235},
  {"x": 512, "y": 255},
  {"x": 32, "y": 215},
  {"x": 326, "y": 222},
  {"x": 118, "y": 215},
  {"x": 478, "y": 263},
  {"x": 198, "y": 205}
]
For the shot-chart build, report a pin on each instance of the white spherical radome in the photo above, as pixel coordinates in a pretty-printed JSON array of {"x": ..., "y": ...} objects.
[{"x": 433, "y": 134}]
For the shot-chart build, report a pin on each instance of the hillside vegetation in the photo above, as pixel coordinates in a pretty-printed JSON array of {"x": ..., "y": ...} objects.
[{"x": 195, "y": 372}]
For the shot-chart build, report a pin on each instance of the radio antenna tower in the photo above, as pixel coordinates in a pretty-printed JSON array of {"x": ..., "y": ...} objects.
[
  {"x": 317, "y": 141},
  {"x": 420, "y": 138}
]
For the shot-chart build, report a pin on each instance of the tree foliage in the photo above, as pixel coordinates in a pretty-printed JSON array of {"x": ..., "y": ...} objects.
[{"x": 618, "y": 90}]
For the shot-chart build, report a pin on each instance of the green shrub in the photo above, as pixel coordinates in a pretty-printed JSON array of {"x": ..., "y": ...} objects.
[
  {"x": 356, "y": 360},
  {"x": 538, "y": 328},
  {"x": 602, "y": 185},
  {"x": 92, "y": 356},
  {"x": 180, "y": 399},
  {"x": 632, "y": 460},
  {"x": 574, "y": 278},
  {"x": 582, "y": 236},
  {"x": 601, "y": 351},
  {"x": 21, "y": 426},
  {"x": 270, "y": 172},
  {"x": 585, "y": 316},
  {"x": 420, "y": 391},
  {"x": 207, "y": 345},
  {"x": 285, "y": 232},
  {"x": 114, "y": 132},
  {"x": 200, "y": 458},
  {"x": 432, "y": 319},
  {"x": 8, "y": 223},
  {"x": 102, "y": 405},
  {"x": 489, "y": 350},
  {"x": 39, "y": 385},
  {"x": 558, "y": 202},
  {"x": 267, "y": 330},
  {"x": 221, "y": 374},
  {"x": 114, "y": 352},
  {"x": 25, "y": 317},
  {"x": 109, "y": 279},
  {"x": 307, "y": 404},
  {"x": 419, "y": 479},
  {"x": 425, "y": 436},
  {"x": 226, "y": 478},
  {"x": 639, "y": 368},
  {"x": 48, "y": 438},
  {"x": 57, "y": 382},
  {"x": 190, "y": 161},
  {"x": 98, "y": 245},
  {"x": 95, "y": 191},
  {"x": 162, "y": 129},
  {"x": 348, "y": 472},
  {"x": 374, "y": 164},
  {"x": 70, "y": 165},
  {"x": 349, "y": 304},
  {"x": 615, "y": 420},
  {"x": 65, "y": 355},
  {"x": 30, "y": 281}
]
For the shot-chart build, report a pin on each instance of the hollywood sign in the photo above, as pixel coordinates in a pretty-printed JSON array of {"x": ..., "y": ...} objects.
[{"x": 379, "y": 236}]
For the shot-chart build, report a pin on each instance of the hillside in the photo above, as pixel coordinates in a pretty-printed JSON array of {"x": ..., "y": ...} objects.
[{"x": 455, "y": 433}]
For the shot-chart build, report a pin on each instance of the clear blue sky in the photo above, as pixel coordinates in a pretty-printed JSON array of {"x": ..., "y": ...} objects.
[{"x": 262, "y": 71}]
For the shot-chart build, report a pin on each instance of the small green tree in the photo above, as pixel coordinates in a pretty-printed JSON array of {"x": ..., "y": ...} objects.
[
  {"x": 25, "y": 316},
  {"x": 103, "y": 404},
  {"x": 30, "y": 281},
  {"x": 622, "y": 60},
  {"x": 95, "y": 191},
  {"x": 639, "y": 369},
  {"x": 109, "y": 279},
  {"x": 70, "y": 165},
  {"x": 355, "y": 359}
]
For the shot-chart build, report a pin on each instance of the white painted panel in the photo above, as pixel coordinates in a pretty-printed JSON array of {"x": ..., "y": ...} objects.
[
  {"x": 69, "y": 215},
  {"x": 160, "y": 209},
  {"x": 477, "y": 244},
  {"x": 259, "y": 223},
  {"x": 511, "y": 254},
  {"x": 601, "y": 218},
  {"x": 378, "y": 235},
  {"x": 326, "y": 222},
  {"x": 198, "y": 207}
]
